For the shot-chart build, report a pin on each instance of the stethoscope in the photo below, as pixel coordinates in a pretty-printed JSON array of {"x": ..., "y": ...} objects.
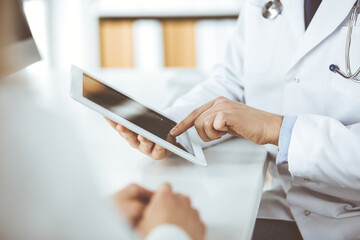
[{"x": 273, "y": 8}]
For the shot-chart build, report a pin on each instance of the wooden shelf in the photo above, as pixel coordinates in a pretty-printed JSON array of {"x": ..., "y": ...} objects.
[
  {"x": 116, "y": 43},
  {"x": 178, "y": 25}
]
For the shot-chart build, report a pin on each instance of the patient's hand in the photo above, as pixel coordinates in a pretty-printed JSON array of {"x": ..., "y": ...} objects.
[
  {"x": 131, "y": 201},
  {"x": 142, "y": 144},
  {"x": 166, "y": 207},
  {"x": 146, "y": 210}
]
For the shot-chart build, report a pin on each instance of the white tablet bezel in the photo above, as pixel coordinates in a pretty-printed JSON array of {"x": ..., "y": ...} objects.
[{"x": 76, "y": 92}]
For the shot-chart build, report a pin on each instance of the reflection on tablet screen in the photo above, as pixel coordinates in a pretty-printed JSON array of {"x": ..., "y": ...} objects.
[{"x": 126, "y": 107}]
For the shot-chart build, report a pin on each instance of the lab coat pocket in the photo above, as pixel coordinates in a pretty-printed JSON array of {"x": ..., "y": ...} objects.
[
  {"x": 344, "y": 86},
  {"x": 261, "y": 40}
]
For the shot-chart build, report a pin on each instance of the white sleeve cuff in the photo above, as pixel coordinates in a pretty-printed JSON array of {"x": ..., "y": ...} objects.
[
  {"x": 166, "y": 232},
  {"x": 285, "y": 138}
]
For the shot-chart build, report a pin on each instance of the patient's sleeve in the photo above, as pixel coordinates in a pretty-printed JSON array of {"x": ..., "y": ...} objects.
[{"x": 166, "y": 232}]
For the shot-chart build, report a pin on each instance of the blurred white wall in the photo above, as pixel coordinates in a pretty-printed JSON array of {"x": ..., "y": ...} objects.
[
  {"x": 59, "y": 29},
  {"x": 211, "y": 39},
  {"x": 35, "y": 11},
  {"x": 166, "y": 4},
  {"x": 148, "y": 45},
  {"x": 66, "y": 31}
]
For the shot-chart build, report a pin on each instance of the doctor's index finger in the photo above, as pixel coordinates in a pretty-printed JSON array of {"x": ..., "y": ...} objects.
[{"x": 188, "y": 122}]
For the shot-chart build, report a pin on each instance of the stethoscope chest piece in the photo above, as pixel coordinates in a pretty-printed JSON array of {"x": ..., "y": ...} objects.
[{"x": 272, "y": 9}]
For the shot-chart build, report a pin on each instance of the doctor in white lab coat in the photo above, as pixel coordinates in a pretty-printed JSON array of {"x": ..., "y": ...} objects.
[{"x": 277, "y": 89}]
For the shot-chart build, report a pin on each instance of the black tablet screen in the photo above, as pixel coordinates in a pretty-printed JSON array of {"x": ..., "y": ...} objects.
[{"x": 126, "y": 107}]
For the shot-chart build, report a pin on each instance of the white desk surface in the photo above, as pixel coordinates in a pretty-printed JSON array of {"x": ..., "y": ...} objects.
[{"x": 227, "y": 192}]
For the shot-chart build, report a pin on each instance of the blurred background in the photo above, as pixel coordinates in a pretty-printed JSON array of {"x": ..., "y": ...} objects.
[
  {"x": 155, "y": 50},
  {"x": 165, "y": 46},
  {"x": 141, "y": 35}
]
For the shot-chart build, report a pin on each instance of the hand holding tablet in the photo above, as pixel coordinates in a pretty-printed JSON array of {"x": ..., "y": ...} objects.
[
  {"x": 145, "y": 129},
  {"x": 149, "y": 148}
]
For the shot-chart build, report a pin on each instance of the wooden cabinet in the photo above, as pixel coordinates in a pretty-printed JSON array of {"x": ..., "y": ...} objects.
[
  {"x": 178, "y": 33},
  {"x": 179, "y": 43},
  {"x": 116, "y": 43}
]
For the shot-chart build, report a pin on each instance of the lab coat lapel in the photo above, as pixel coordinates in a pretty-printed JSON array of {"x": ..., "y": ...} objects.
[
  {"x": 329, "y": 16},
  {"x": 294, "y": 15}
]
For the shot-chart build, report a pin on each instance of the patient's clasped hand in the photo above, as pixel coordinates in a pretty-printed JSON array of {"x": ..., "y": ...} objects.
[{"x": 146, "y": 210}]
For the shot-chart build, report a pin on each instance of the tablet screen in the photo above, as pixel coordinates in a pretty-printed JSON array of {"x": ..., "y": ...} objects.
[{"x": 126, "y": 107}]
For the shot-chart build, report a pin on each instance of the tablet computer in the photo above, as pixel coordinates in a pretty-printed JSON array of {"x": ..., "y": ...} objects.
[{"x": 127, "y": 111}]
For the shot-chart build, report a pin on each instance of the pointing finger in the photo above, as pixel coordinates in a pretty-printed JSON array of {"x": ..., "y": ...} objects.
[{"x": 188, "y": 122}]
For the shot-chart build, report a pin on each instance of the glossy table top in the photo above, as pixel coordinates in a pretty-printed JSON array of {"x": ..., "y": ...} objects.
[{"x": 227, "y": 192}]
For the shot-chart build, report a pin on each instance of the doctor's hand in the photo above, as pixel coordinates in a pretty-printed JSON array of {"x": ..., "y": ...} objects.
[
  {"x": 131, "y": 202},
  {"x": 142, "y": 144},
  {"x": 166, "y": 207},
  {"x": 221, "y": 116}
]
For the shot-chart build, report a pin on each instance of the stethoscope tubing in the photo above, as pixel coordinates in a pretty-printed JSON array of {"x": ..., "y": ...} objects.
[
  {"x": 273, "y": 8},
  {"x": 352, "y": 77},
  {"x": 336, "y": 69}
]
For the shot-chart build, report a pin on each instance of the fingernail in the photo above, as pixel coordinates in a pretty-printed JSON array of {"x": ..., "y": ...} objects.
[
  {"x": 164, "y": 187},
  {"x": 174, "y": 131}
]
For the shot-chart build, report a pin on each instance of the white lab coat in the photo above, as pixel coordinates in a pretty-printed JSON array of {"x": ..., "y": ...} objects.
[
  {"x": 46, "y": 191},
  {"x": 276, "y": 66}
]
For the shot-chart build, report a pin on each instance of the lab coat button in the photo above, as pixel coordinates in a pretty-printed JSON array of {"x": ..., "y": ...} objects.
[{"x": 307, "y": 212}]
